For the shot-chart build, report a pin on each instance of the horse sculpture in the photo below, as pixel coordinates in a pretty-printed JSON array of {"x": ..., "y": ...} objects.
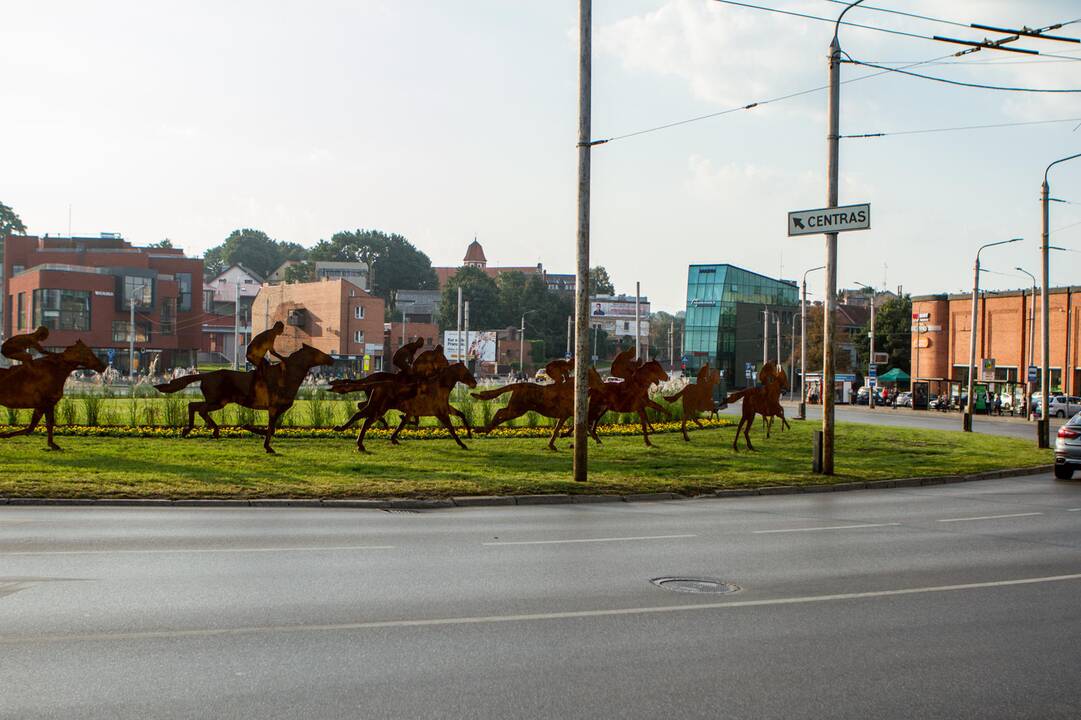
[
  {"x": 762, "y": 400},
  {"x": 39, "y": 385},
  {"x": 272, "y": 388},
  {"x": 697, "y": 397},
  {"x": 554, "y": 401},
  {"x": 414, "y": 395},
  {"x": 631, "y": 395}
]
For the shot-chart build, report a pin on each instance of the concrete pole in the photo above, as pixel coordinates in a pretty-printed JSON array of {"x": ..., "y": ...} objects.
[
  {"x": 461, "y": 353},
  {"x": 967, "y": 421},
  {"x": 871, "y": 363},
  {"x": 1043, "y": 438},
  {"x": 570, "y": 334},
  {"x": 236, "y": 327},
  {"x": 671, "y": 347},
  {"x": 581, "y": 289},
  {"x": 765, "y": 335},
  {"x": 803, "y": 351},
  {"x": 461, "y": 348},
  {"x": 825, "y": 463},
  {"x": 792, "y": 357},
  {"x": 777, "y": 322},
  {"x": 521, "y": 347}
]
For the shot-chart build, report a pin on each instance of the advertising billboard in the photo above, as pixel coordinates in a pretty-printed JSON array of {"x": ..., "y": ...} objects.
[{"x": 480, "y": 345}]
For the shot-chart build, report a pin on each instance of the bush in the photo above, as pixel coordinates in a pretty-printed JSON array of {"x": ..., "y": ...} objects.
[
  {"x": 67, "y": 411},
  {"x": 175, "y": 411},
  {"x": 92, "y": 405}
]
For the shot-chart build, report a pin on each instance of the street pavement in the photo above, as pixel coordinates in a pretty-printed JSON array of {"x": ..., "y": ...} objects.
[
  {"x": 950, "y": 601},
  {"x": 1017, "y": 427}
]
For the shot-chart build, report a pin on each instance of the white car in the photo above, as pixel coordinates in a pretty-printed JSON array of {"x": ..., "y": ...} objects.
[{"x": 1063, "y": 406}]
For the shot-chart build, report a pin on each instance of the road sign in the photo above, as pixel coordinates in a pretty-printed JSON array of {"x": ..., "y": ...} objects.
[
  {"x": 566, "y": 356},
  {"x": 987, "y": 369},
  {"x": 926, "y": 328},
  {"x": 1033, "y": 373},
  {"x": 111, "y": 353},
  {"x": 921, "y": 316},
  {"x": 749, "y": 370},
  {"x": 881, "y": 358},
  {"x": 872, "y": 372},
  {"x": 827, "y": 220}
]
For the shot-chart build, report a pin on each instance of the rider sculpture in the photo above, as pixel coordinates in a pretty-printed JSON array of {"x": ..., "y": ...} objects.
[{"x": 18, "y": 347}]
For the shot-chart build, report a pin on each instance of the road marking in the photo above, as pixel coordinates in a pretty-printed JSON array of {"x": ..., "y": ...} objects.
[
  {"x": 1074, "y": 510},
  {"x": 834, "y": 527},
  {"x": 586, "y": 540},
  {"x": 991, "y": 517},
  {"x": 492, "y": 619},
  {"x": 198, "y": 550}
]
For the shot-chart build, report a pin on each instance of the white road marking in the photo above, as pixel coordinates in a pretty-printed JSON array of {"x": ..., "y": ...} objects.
[
  {"x": 991, "y": 517},
  {"x": 181, "y": 551},
  {"x": 587, "y": 540},
  {"x": 834, "y": 527},
  {"x": 1074, "y": 510},
  {"x": 491, "y": 619}
]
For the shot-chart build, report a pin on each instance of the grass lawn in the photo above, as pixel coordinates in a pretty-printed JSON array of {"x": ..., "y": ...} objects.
[{"x": 153, "y": 467}]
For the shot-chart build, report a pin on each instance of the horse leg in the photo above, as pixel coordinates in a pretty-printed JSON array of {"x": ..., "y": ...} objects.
[
  {"x": 555, "y": 434},
  {"x": 645, "y": 426},
  {"x": 401, "y": 424},
  {"x": 50, "y": 422},
  {"x": 191, "y": 418},
  {"x": 26, "y": 430},
  {"x": 747, "y": 433},
  {"x": 696, "y": 420},
  {"x": 272, "y": 420},
  {"x": 204, "y": 413},
  {"x": 368, "y": 422},
  {"x": 350, "y": 422},
  {"x": 465, "y": 422},
  {"x": 445, "y": 419},
  {"x": 735, "y": 440},
  {"x": 784, "y": 422},
  {"x": 502, "y": 415},
  {"x": 683, "y": 428}
]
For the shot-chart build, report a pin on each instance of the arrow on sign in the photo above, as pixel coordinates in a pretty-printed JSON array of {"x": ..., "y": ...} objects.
[{"x": 799, "y": 223}]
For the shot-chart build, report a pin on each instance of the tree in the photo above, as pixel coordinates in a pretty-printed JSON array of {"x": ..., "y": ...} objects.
[
  {"x": 660, "y": 325},
  {"x": 393, "y": 262},
  {"x": 600, "y": 283},
  {"x": 843, "y": 360},
  {"x": 303, "y": 271},
  {"x": 165, "y": 244},
  {"x": 893, "y": 333},
  {"x": 253, "y": 249},
  {"x": 10, "y": 223},
  {"x": 483, "y": 295}
]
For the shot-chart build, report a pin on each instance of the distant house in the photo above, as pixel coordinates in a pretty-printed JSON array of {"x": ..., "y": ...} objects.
[
  {"x": 475, "y": 258},
  {"x": 355, "y": 272},
  {"x": 224, "y": 328}
]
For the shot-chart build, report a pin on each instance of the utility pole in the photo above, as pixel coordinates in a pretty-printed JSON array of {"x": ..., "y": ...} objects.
[
  {"x": 765, "y": 335},
  {"x": 463, "y": 350},
  {"x": 236, "y": 327},
  {"x": 570, "y": 334},
  {"x": 803, "y": 345},
  {"x": 581, "y": 289},
  {"x": 671, "y": 347},
  {"x": 777, "y": 321},
  {"x": 131, "y": 345},
  {"x": 792, "y": 358},
  {"x": 1031, "y": 341},
  {"x": 872, "y": 369},
  {"x": 637, "y": 321},
  {"x": 461, "y": 353},
  {"x": 1043, "y": 426}
]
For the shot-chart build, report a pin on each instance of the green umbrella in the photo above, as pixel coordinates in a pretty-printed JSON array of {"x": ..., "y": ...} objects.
[{"x": 897, "y": 375}]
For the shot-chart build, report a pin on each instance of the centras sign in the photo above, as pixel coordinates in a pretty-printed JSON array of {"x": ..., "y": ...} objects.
[{"x": 829, "y": 220}]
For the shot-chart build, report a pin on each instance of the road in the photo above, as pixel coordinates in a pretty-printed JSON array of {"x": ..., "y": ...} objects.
[
  {"x": 902, "y": 417},
  {"x": 950, "y": 601}
]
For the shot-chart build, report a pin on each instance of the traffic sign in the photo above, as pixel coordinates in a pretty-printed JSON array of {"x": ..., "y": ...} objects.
[
  {"x": 872, "y": 371},
  {"x": 921, "y": 316},
  {"x": 1033, "y": 373},
  {"x": 881, "y": 358},
  {"x": 987, "y": 369},
  {"x": 749, "y": 370},
  {"x": 829, "y": 220}
]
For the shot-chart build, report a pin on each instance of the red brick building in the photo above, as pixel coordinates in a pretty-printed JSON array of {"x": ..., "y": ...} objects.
[
  {"x": 335, "y": 316},
  {"x": 1006, "y": 330},
  {"x": 82, "y": 288}
]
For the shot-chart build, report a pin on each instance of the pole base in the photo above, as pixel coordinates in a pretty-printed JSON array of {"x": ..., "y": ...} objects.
[
  {"x": 1043, "y": 435},
  {"x": 816, "y": 459},
  {"x": 966, "y": 422},
  {"x": 802, "y": 414}
]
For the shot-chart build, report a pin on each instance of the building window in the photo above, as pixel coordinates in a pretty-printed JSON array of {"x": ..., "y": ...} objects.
[
  {"x": 20, "y": 318},
  {"x": 62, "y": 309},
  {"x": 137, "y": 289},
  {"x": 168, "y": 317},
  {"x": 183, "y": 281},
  {"x": 358, "y": 312},
  {"x": 358, "y": 336},
  {"x": 122, "y": 331}
]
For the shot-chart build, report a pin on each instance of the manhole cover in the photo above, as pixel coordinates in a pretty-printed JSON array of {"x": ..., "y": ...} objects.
[{"x": 695, "y": 585}]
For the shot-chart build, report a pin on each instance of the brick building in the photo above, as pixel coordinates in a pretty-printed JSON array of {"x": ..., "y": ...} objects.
[
  {"x": 335, "y": 316},
  {"x": 1006, "y": 330},
  {"x": 475, "y": 257},
  {"x": 83, "y": 288}
]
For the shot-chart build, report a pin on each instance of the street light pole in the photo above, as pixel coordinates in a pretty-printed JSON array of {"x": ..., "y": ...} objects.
[
  {"x": 521, "y": 343},
  {"x": 1043, "y": 439},
  {"x": 803, "y": 345},
  {"x": 966, "y": 423},
  {"x": 581, "y": 286}
]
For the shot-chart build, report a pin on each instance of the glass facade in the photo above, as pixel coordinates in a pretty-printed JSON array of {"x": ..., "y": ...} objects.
[
  {"x": 61, "y": 309},
  {"x": 724, "y": 317}
]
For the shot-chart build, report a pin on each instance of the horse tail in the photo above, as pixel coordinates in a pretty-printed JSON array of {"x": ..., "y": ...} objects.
[
  {"x": 180, "y": 383},
  {"x": 490, "y": 394},
  {"x": 737, "y": 395},
  {"x": 677, "y": 396}
]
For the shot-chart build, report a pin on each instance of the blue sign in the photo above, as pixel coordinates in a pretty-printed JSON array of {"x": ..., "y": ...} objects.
[
  {"x": 1033, "y": 373},
  {"x": 111, "y": 353},
  {"x": 872, "y": 371},
  {"x": 566, "y": 356}
]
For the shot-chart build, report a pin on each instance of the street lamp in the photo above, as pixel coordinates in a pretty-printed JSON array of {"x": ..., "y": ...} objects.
[
  {"x": 803, "y": 345},
  {"x": 966, "y": 422},
  {"x": 521, "y": 342},
  {"x": 872, "y": 369},
  {"x": 1042, "y": 434},
  {"x": 1031, "y": 336}
]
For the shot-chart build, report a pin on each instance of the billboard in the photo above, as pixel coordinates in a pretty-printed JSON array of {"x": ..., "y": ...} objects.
[
  {"x": 480, "y": 345},
  {"x": 609, "y": 308}
]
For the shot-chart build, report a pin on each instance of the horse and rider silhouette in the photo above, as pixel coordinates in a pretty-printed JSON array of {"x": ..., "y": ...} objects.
[
  {"x": 270, "y": 386},
  {"x": 38, "y": 383},
  {"x": 764, "y": 400}
]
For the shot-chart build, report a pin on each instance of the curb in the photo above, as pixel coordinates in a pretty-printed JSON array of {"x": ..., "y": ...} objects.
[{"x": 391, "y": 504}]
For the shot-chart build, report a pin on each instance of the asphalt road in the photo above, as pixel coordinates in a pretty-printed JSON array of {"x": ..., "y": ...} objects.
[
  {"x": 952, "y": 601},
  {"x": 932, "y": 420}
]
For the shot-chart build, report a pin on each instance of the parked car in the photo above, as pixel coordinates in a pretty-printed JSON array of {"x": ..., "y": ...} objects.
[
  {"x": 904, "y": 399},
  {"x": 1062, "y": 406},
  {"x": 1068, "y": 448}
]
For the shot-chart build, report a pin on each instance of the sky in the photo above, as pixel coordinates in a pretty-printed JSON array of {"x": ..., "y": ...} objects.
[{"x": 443, "y": 121}]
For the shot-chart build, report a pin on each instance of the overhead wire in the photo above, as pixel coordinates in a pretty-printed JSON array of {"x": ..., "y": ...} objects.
[
  {"x": 981, "y": 86},
  {"x": 901, "y": 12},
  {"x": 958, "y": 128}
]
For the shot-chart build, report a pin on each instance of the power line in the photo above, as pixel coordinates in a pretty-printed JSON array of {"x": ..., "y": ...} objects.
[
  {"x": 961, "y": 127},
  {"x": 899, "y": 12},
  {"x": 981, "y": 86}
]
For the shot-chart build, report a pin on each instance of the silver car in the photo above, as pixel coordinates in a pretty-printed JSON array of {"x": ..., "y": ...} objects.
[{"x": 1068, "y": 448}]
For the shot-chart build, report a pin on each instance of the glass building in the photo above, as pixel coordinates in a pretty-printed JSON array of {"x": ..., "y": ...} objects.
[{"x": 724, "y": 321}]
